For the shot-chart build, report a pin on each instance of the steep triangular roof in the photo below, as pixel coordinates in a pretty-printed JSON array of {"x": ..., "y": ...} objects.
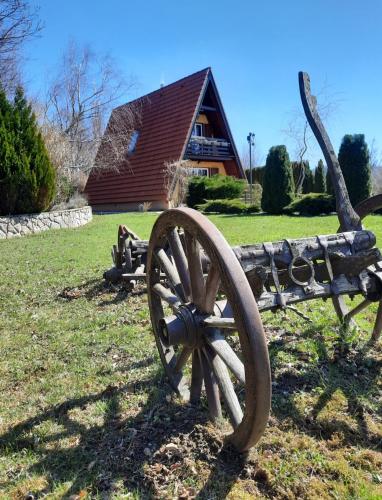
[
  {"x": 167, "y": 116},
  {"x": 210, "y": 92}
]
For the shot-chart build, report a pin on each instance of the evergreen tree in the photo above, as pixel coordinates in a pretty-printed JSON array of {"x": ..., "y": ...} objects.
[
  {"x": 257, "y": 175},
  {"x": 319, "y": 178},
  {"x": 27, "y": 178},
  {"x": 308, "y": 183},
  {"x": 278, "y": 185},
  {"x": 354, "y": 159},
  {"x": 9, "y": 162},
  {"x": 329, "y": 185}
]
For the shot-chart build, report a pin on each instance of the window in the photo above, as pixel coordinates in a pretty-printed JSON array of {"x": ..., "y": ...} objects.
[
  {"x": 201, "y": 172},
  {"x": 198, "y": 130},
  {"x": 132, "y": 143}
]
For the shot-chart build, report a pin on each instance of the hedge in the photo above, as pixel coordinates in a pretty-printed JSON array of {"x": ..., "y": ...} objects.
[
  {"x": 235, "y": 206},
  {"x": 312, "y": 204},
  {"x": 216, "y": 187}
]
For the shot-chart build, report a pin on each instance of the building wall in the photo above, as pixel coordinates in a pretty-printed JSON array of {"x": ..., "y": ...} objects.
[
  {"x": 202, "y": 118},
  {"x": 209, "y": 164},
  {"x": 157, "y": 205}
]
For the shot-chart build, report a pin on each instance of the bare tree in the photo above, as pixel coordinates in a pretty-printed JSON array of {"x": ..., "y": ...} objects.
[
  {"x": 79, "y": 100},
  {"x": 299, "y": 132},
  {"x": 18, "y": 23},
  {"x": 376, "y": 168},
  {"x": 177, "y": 175},
  {"x": 257, "y": 158}
]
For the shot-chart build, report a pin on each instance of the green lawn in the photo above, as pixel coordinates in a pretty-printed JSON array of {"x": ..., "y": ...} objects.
[{"x": 86, "y": 412}]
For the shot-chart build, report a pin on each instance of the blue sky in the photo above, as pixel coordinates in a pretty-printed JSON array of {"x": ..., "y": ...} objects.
[{"x": 255, "y": 50}]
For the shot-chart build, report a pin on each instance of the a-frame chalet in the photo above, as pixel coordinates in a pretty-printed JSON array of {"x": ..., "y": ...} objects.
[{"x": 183, "y": 120}]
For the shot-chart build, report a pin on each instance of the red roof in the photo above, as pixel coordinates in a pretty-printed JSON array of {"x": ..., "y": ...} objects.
[{"x": 167, "y": 116}]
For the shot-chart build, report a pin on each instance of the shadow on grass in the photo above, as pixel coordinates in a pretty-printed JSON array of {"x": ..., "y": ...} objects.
[
  {"x": 99, "y": 288},
  {"x": 146, "y": 453},
  {"x": 355, "y": 373}
]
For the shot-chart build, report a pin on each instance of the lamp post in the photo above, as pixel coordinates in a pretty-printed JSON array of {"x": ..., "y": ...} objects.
[{"x": 251, "y": 142}]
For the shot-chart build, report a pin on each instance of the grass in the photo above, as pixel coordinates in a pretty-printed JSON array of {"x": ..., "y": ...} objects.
[{"x": 86, "y": 412}]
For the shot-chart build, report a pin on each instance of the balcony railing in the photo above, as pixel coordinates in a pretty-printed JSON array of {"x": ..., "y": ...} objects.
[{"x": 208, "y": 147}]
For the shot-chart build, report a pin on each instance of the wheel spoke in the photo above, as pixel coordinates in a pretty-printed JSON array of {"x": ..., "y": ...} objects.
[
  {"x": 361, "y": 306},
  {"x": 165, "y": 294},
  {"x": 212, "y": 389},
  {"x": 378, "y": 323},
  {"x": 171, "y": 272},
  {"x": 196, "y": 271},
  {"x": 180, "y": 260},
  {"x": 226, "y": 388},
  {"x": 217, "y": 322},
  {"x": 339, "y": 306},
  {"x": 212, "y": 288},
  {"x": 226, "y": 353},
  {"x": 182, "y": 358},
  {"x": 178, "y": 380},
  {"x": 196, "y": 377}
]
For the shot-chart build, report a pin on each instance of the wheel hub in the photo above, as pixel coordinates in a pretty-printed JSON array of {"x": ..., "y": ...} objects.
[{"x": 183, "y": 328}]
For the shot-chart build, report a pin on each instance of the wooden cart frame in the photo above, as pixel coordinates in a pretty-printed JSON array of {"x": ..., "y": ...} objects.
[{"x": 205, "y": 297}]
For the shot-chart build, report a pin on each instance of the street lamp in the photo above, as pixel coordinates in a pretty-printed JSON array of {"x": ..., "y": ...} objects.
[{"x": 251, "y": 142}]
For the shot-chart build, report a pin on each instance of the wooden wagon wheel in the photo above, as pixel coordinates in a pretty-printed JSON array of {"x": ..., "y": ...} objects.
[
  {"x": 192, "y": 337},
  {"x": 363, "y": 209}
]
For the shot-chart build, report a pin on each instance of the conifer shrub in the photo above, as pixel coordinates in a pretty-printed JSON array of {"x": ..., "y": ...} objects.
[
  {"x": 312, "y": 204},
  {"x": 278, "y": 185},
  {"x": 27, "y": 178},
  {"x": 216, "y": 187},
  {"x": 234, "y": 206},
  {"x": 329, "y": 185},
  {"x": 319, "y": 178},
  {"x": 354, "y": 160}
]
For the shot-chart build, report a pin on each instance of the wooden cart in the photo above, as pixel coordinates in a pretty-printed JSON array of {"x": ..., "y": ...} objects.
[{"x": 205, "y": 297}]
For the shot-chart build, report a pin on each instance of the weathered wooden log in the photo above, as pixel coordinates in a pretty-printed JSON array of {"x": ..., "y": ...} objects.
[
  {"x": 342, "y": 285},
  {"x": 310, "y": 248},
  {"x": 349, "y": 265}
]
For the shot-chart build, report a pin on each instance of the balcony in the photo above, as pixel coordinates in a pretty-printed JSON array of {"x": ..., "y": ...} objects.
[{"x": 208, "y": 148}]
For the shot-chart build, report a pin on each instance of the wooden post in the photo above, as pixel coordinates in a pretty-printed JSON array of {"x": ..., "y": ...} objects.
[{"x": 348, "y": 218}]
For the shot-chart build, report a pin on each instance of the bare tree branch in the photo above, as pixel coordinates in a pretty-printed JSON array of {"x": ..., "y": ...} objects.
[
  {"x": 298, "y": 130},
  {"x": 376, "y": 167},
  {"x": 177, "y": 175},
  {"x": 18, "y": 23},
  {"x": 78, "y": 103}
]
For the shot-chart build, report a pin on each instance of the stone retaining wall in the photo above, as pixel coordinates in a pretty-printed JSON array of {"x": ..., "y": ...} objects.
[{"x": 21, "y": 225}]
